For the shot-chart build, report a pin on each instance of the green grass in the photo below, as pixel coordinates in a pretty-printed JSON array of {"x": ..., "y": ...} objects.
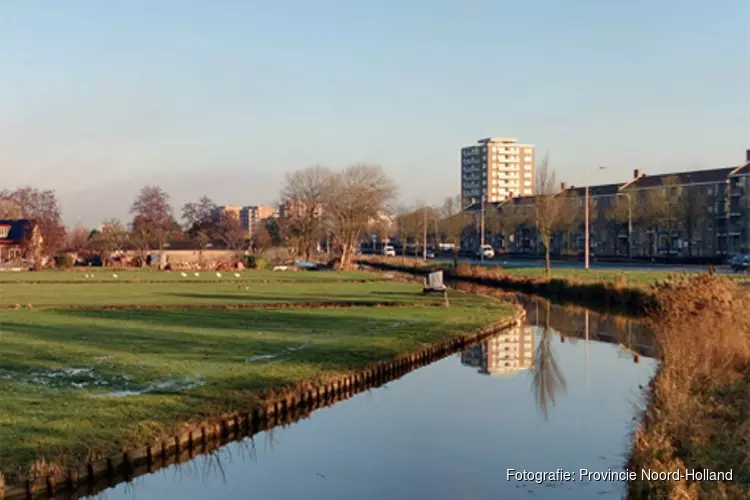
[
  {"x": 146, "y": 275},
  {"x": 59, "y": 367},
  {"x": 149, "y": 294},
  {"x": 632, "y": 277}
]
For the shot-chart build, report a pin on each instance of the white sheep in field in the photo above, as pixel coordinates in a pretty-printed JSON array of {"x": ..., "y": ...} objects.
[
  {"x": 237, "y": 275},
  {"x": 218, "y": 275},
  {"x": 184, "y": 275}
]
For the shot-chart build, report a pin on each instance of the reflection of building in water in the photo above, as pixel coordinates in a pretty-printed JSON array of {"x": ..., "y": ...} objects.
[{"x": 505, "y": 353}]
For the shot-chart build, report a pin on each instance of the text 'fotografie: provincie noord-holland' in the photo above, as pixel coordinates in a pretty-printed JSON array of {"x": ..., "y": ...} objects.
[{"x": 561, "y": 475}]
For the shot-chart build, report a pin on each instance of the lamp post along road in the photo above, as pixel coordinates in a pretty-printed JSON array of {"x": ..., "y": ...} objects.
[
  {"x": 586, "y": 228},
  {"x": 481, "y": 230},
  {"x": 424, "y": 235}
]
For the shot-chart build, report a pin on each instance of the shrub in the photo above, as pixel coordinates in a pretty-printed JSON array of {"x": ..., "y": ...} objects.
[
  {"x": 256, "y": 261},
  {"x": 64, "y": 260}
]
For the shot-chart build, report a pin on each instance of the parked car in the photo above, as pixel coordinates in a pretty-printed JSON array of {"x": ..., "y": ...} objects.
[
  {"x": 732, "y": 258},
  {"x": 429, "y": 254},
  {"x": 486, "y": 251},
  {"x": 741, "y": 264},
  {"x": 389, "y": 251}
]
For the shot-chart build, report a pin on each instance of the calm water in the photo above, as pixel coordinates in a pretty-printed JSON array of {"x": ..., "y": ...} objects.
[{"x": 538, "y": 398}]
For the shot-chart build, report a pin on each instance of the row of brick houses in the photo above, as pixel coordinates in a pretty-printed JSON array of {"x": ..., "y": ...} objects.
[{"x": 699, "y": 214}]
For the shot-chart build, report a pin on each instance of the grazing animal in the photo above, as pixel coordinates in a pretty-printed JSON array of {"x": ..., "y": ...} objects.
[
  {"x": 184, "y": 275},
  {"x": 86, "y": 276},
  {"x": 236, "y": 275},
  {"x": 197, "y": 274},
  {"x": 218, "y": 275},
  {"x": 114, "y": 275}
]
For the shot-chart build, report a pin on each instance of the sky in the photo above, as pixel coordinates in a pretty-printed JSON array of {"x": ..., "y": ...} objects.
[{"x": 101, "y": 97}]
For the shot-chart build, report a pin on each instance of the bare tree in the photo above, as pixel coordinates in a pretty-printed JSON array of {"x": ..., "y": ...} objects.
[
  {"x": 303, "y": 195},
  {"x": 152, "y": 219},
  {"x": 43, "y": 208},
  {"x": 78, "y": 238},
  {"x": 453, "y": 222},
  {"x": 199, "y": 216},
  {"x": 354, "y": 197},
  {"x": 550, "y": 208},
  {"x": 229, "y": 231},
  {"x": 110, "y": 240},
  {"x": 405, "y": 227}
]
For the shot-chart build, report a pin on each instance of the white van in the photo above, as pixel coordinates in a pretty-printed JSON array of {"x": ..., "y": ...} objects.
[{"x": 389, "y": 251}]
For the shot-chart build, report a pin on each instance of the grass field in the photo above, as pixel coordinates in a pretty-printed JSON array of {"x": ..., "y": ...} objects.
[
  {"x": 81, "y": 381},
  {"x": 150, "y": 294},
  {"x": 98, "y": 274}
]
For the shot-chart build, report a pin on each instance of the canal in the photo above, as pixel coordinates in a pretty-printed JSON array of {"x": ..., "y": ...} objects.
[{"x": 560, "y": 392}]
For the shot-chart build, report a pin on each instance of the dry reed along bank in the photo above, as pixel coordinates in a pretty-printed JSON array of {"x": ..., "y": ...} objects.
[{"x": 698, "y": 413}]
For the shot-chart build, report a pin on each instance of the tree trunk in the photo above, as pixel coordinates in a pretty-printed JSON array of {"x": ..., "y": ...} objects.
[{"x": 546, "y": 238}]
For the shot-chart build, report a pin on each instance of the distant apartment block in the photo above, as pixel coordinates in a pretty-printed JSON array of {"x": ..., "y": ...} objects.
[
  {"x": 250, "y": 216},
  {"x": 503, "y": 354},
  {"x": 296, "y": 208},
  {"x": 496, "y": 169},
  {"x": 224, "y": 210}
]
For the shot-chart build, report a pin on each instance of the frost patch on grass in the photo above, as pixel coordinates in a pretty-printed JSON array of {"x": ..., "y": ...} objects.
[
  {"x": 259, "y": 357},
  {"x": 65, "y": 378},
  {"x": 263, "y": 357},
  {"x": 298, "y": 348},
  {"x": 181, "y": 384}
]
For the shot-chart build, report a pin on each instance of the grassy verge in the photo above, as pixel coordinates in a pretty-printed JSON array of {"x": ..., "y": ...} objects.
[
  {"x": 81, "y": 383},
  {"x": 698, "y": 414},
  {"x": 636, "y": 297}
]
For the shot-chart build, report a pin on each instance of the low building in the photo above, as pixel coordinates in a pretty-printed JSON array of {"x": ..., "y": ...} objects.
[{"x": 17, "y": 236}]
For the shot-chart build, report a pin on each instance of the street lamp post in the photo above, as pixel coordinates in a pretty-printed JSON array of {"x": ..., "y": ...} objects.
[
  {"x": 586, "y": 228},
  {"x": 481, "y": 230}
]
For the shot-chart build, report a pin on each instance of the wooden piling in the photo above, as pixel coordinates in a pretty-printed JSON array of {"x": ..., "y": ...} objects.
[
  {"x": 72, "y": 479},
  {"x": 51, "y": 484}
]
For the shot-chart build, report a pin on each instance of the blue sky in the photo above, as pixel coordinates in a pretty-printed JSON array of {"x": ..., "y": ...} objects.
[{"x": 100, "y": 97}]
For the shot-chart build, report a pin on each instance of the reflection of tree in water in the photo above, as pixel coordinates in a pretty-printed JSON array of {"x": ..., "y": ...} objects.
[{"x": 547, "y": 377}]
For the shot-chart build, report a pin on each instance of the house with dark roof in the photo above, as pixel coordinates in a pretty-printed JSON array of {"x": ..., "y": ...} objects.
[{"x": 15, "y": 235}]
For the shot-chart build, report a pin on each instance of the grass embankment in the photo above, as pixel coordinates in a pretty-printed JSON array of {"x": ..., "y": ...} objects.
[
  {"x": 698, "y": 414},
  {"x": 629, "y": 290},
  {"x": 81, "y": 383}
]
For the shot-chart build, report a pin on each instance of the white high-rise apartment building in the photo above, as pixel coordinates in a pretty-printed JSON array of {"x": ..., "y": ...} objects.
[{"x": 496, "y": 168}]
